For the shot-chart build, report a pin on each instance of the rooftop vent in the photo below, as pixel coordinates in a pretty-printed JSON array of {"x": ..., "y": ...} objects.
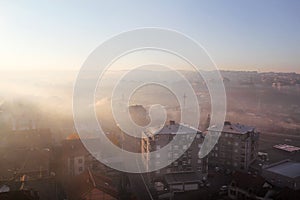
[
  {"x": 227, "y": 123},
  {"x": 172, "y": 122}
]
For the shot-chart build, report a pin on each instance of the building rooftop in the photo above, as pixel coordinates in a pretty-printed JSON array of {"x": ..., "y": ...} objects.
[
  {"x": 286, "y": 168},
  {"x": 183, "y": 177},
  {"x": 73, "y": 136},
  {"x": 23, "y": 161},
  {"x": 84, "y": 183},
  {"x": 286, "y": 147},
  {"x": 173, "y": 128},
  {"x": 235, "y": 128},
  {"x": 246, "y": 181}
]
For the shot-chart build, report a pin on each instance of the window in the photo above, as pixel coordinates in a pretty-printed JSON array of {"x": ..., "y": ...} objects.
[
  {"x": 176, "y": 155},
  {"x": 199, "y": 161}
]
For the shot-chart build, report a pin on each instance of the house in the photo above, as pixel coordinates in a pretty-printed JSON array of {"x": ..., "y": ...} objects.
[
  {"x": 35, "y": 163},
  {"x": 89, "y": 186},
  {"x": 28, "y": 139},
  {"x": 20, "y": 195},
  {"x": 28, "y": 188},
  {"x": 246, "y": 186},
  {"x": 74, "y": 155}
]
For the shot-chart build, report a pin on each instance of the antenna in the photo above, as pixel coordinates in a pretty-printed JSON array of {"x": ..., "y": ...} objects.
[{"x": 184, "y": 97}]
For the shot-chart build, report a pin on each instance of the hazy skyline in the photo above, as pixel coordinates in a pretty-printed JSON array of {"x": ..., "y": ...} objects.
[{"x": 239, "y": 35}]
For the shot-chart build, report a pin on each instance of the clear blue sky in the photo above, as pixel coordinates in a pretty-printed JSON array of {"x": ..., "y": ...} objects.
[{"x": 239, "y": 35}]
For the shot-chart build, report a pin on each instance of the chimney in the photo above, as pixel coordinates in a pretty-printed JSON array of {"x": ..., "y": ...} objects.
[
  {"x": 172, "y": 122},
  {"x": 227, "y": 123}
]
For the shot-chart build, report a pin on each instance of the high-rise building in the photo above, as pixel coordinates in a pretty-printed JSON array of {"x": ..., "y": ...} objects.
[
  {"x": 188, "y": 162},
  {"x": 236, "y": 148}
]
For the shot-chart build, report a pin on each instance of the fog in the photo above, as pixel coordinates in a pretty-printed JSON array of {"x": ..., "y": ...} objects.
[{"x": 44, "y": 99}]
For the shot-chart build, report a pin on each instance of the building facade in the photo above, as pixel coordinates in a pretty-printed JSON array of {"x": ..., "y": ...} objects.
[
  {"x": 284, "y": 174},
  {"x": 188, "y": 162},
  {"x": 75, "y": 158},
  {"x": 236, "y": 148}
]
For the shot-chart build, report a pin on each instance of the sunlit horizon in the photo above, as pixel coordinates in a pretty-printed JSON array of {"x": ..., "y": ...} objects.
[{"x": 60, "y": 35}]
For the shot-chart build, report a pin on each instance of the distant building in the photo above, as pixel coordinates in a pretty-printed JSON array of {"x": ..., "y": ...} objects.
[
  {"x": 75, "y": 157},
  {"x": 246, "y": 186},
  {"x": 237, "y": 147},
  {"x": 35, "y": 163},
  {"x": 183, "y": 165},
  {"x": 26, "y": 188},
  {"x": 20, "y": 194},
  {"x": 287, "y": 148},
  {"x": 283, "y": 174},
  {"x": 90, "y": 186},
  {"x": 31, "y": 138},
  {"x": 23, "y": 124}
]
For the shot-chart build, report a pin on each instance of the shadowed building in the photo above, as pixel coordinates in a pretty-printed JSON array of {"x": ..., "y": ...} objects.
[
  {"x": 177, "y": 174},
  {"x": 90, "y": 186},
  {"x": 283, "y": 174},
  {"x": 246, "y": 186},
  {"x": 236, "y": 148}
]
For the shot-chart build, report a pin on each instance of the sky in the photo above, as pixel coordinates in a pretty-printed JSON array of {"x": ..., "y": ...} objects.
[{"x": 239, "y": 35}]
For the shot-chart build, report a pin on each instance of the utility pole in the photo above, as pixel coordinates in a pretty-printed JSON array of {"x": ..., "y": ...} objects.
[{"x": 184, "y": 98}]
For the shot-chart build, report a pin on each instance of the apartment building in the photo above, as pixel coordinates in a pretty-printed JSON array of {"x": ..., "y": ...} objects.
[
  {"x": 188, "y": 162},
  {"x": 236, "y": 148}
]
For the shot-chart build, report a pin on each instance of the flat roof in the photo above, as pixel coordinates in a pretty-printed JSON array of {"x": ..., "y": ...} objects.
[
  {"x": 173, "y": 129},
  {"x": 285, "y": 168},
  {"x": 234, "y": 128},
  {"x": 286, "y": 147},
  {"x": 182, "y": 177}
]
